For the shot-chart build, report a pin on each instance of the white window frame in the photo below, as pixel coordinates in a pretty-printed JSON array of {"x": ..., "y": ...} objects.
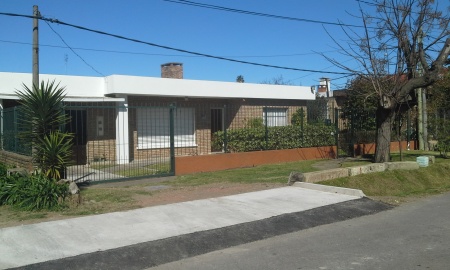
[
  {"x": 276, "y": 117},
  {"x": 153, "y": 125}
]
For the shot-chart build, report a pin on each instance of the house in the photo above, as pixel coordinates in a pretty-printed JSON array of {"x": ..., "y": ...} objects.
[{"x": 123, "y": 118}]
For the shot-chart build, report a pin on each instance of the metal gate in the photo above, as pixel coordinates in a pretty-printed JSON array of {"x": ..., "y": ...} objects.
[
  {"x": 354, "y": 128},
  {"x": 116, "y": 143}
]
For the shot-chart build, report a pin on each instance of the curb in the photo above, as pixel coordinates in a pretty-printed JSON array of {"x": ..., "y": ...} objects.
[{"x": 331, "y": 189}]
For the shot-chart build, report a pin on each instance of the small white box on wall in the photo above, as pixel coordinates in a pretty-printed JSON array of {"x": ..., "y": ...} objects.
[{"x": 100, "y": 126}]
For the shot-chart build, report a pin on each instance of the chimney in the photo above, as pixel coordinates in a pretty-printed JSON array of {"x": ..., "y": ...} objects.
[
  {"x": 324, "y": 87},
  {"x": 172, "y": 70}
]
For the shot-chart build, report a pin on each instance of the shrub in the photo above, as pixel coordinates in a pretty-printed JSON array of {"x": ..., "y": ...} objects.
[
  {"x": 443, "y": 146},
  {"x": 32, "y": 192},
  {"x": 3, "y": 170},
  {"x": 285, "y": 137}
]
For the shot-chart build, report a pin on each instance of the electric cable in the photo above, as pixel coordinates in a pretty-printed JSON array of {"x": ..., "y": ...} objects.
[{"x": 168, "y": 47}]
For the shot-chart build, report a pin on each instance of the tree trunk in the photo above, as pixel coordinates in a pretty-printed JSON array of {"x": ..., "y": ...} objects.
[{"x": 384, "y": 127}]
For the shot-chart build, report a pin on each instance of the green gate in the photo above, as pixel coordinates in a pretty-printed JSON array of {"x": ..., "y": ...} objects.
[{"x": 354, "y": 128}]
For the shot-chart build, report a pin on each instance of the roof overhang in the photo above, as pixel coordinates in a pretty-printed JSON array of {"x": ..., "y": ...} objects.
[{"x": 149, "y": 86}]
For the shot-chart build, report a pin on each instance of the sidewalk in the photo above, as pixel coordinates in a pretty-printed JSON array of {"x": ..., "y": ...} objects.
[{"x": 97, "y": 235}]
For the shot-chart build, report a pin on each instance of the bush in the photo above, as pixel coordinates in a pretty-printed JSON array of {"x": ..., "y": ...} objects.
[
  {"x": 286, "y": 137},
  {"x": 32, "y": 192},
  {"x": 443, "y": 146},
  {"x": 3, "y": 170}
]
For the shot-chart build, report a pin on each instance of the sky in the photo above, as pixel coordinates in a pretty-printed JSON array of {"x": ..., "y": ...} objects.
[{"x": 260, "y": 39}]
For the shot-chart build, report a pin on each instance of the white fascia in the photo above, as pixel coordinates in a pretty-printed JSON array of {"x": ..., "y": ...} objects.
[{"x": 149, "y": 86}]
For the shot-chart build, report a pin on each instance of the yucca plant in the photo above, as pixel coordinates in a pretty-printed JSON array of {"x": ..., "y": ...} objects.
[
  {"x": 42, "y": 118},
  {"x": 42, "y": 109},
  {"x": 54, "y": 152}
]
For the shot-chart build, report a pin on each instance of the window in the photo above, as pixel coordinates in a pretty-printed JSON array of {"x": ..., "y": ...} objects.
[
  {"x": 153, "y": 127},
  {"x": 275, "y": 116}
]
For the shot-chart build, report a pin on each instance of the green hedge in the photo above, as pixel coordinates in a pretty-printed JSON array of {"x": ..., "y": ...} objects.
[{"x": 286, "y": 137}]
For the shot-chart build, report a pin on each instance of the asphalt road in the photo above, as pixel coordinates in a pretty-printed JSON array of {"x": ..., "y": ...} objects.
[{"x": 412, "y": 236}]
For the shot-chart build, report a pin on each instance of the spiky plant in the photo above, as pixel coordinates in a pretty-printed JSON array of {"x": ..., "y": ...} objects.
[
  {"x": 55, "y": 153},
  {"x": 43, "y": 116}
]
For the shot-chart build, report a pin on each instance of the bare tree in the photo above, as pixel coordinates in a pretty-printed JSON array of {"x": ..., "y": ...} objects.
[{"x": 404, "y": 45}]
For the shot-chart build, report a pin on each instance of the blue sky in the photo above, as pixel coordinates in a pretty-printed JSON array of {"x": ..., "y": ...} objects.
[{"x": 243, "y": 37}]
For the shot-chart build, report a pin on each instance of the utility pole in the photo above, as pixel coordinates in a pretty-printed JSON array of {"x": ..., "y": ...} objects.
[
  {"x": 35, "y": 51},
  {"x": 422, "y": 106}
]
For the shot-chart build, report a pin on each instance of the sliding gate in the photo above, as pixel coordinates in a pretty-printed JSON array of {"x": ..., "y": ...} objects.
[{"x": 116, "y": 143}]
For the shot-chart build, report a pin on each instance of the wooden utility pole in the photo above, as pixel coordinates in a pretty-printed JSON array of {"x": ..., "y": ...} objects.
[{"x": 35, "y": 52}]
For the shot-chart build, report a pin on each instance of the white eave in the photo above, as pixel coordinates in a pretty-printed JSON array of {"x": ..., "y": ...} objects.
[
  {"x": 149, "y": 86},
  {"x": 103, "y": 89}
]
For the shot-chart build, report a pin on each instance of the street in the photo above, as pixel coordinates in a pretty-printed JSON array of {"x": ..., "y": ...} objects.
[{"x": 412, "y": 236}]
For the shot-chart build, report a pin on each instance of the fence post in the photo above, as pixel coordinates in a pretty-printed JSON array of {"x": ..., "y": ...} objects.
[
  {"x": 302, "y": 118},
  {"x": 266, "y": 135},
  {"x": 16, "y": 129},
  {"x": 1, "y": 126},
  {"x": 352, "y": 133},
  {"x": 336, "y": 132},
  {"x": 172, "y": 109},
  {"x": 225, "y": 138}
]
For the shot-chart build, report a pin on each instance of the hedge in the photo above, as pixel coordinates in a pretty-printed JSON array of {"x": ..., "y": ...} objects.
[{"x": 285, "y": 137}]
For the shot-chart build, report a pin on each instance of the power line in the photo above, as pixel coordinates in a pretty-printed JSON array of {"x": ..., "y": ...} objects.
[
  {"x": 89, "y": 65},
  {"x": 161, "y": 54},
  {"x": 168, "y": 47},
  {"x": 247, "y": 12}
]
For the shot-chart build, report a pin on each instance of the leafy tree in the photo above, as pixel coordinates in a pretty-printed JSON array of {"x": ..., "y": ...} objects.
[
  {"x": 402, "y": 36},
  {"x": 42, "y": 117},
  {"x": 240, "y": 79},
  {"x": 439, "y": 111},
  {"x": 360, "y": 104}
]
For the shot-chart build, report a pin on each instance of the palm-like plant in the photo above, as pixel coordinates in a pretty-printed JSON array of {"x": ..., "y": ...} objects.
[
  {"x": 42, "y": 109},
  {"x": 55, "y": 153},
  {"x": 43, "y": 116}
]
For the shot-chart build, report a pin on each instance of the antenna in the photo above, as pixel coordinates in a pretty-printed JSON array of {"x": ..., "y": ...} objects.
[{"x": 66, "y": 60}]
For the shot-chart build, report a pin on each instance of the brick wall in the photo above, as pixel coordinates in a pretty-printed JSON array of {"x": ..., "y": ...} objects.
[{"x": 13, "y": 159}]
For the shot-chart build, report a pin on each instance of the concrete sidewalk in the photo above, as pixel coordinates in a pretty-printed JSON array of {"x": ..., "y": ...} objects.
[{"x": 49, "y": 241}]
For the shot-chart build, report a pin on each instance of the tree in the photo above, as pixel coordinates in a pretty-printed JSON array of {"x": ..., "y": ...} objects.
[
  {"x": 409, "y": 38},
  {"x": 43, "y": 116},
  {"x": 240, "y": 79},
  {"x": 439, "y": 110},
  {"x": 277, "y": 81},
  {"x": 360, "y": 104}
]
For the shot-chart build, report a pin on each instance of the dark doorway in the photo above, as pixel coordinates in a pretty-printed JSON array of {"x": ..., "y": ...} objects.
[{"x": 77, "y": 126}]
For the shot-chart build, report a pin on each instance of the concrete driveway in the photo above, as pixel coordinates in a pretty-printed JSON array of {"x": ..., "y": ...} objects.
[{"x": 151, "y": 236}]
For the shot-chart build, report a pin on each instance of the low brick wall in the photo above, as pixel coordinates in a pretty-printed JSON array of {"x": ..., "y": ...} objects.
[
  {"x": 16, "y": 160},
  {"x": 369, "y": 148},
  {"x": 218, "y": 162}
]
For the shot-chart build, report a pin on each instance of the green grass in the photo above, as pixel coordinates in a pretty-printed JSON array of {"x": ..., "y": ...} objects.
[
  {"x": 275, "y": 173},
  {"x": 433, "y": 179}
]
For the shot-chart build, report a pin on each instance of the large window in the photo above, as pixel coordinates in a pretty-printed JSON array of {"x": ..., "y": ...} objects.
[
  {"x": 275, "y": 116},
  {"x": 153, "y": 127}
]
